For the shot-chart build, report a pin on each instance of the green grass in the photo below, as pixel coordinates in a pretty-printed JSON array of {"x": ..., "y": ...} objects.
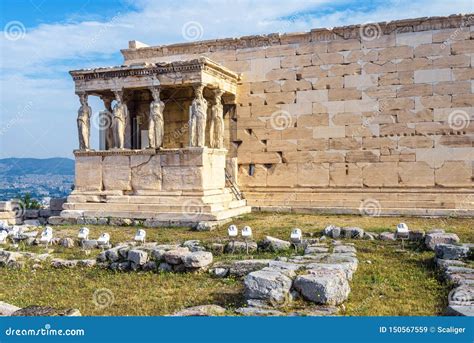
[{"x": 394, "y": 283}]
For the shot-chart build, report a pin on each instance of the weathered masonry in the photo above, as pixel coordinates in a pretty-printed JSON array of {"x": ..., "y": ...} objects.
[
  {"x": 155, "y": 162},
  {"x": 374, "y": 118}
]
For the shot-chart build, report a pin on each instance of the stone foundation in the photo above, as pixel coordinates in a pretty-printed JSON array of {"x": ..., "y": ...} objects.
[{"x": 169, "y": 186}]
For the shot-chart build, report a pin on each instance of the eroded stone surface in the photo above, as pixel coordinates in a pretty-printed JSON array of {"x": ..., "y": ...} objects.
[
  {"x": 268, "y": 285},
  {"x": 323, "y": 286},
  {"x": 432, "y": 239}
]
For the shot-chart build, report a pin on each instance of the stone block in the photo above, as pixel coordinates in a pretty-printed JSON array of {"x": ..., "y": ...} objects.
[
  {"x": 296, "y": 85},
  {"x": 311, "y": 96},
  {"x": 257, "y": 179},
  {"x": 414, "y": 39},
  {"x": 312, "y": 144},
  {"x": 420, "y": 89},
  {"x": 432, "y": 239},
  {"x": 6, "y": 206},
  {"x": 360, "y": 81},
  {"x": 328, "y": 287},
  {"x": 452, "y": 61},
  {"x": 296, "y": 61},
  {"x": 434, "y": 49},
  {"x": 198, "y": 259},
  {"x": 456, "y": 141},
  {"x": 416, "y": 174},
  {"x": 56, "y": 204},
  {"x": 298, "y": 157},
  {"x": 452, "y": 87},
  {"x": 145, "y": 172},
  {"x": 281, "y": 145},
  {"x": 274, "y": 244},
  {"x": 344, "y": 69},
  {"x": 393, "y": 53},
  {"x": 378, "y": 143},
  {"x": 414, "y": 142},
  {"x": 451, "y": 251},
  {"x": 380, "y": 175},
  {"x": 267, "y": 285},
  {"x": 175, "y": 256},
  {"x": 362, "y": 156},
  {"x": 462, "y": 47},
  {"x": 182, "y": 178},
  {"x": 313, "y": 120},
  {"x": 88, "y": 173},
  {"x": 454, "y": 174},
  {"x": 329, "y": 132},
  {"x": 313, "y": 174},
  {"x": 138, "y": 257},
  {"x": 433, "y": 75},
  {"x": 343, "y": 45},
  {"x": 327, "y": 58},
  {"x": 282, "y": 175},
  {"x": 117, "y": 173},
  {"x": 345, "y": 175},
  {"x": 344, "y": 94},
  {"x": 346, "y": 143}
]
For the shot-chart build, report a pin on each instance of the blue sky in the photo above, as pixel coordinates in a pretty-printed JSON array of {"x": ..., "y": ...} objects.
[{"x": 43, "y": 39}]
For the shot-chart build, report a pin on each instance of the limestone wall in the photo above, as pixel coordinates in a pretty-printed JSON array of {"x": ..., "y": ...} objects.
[
  {"x": 329, "y": 118},
  {"x": 147, "y": 171}
]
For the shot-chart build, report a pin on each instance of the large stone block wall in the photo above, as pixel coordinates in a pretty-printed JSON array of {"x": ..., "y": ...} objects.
[
  {"x": 192, "y": 169},
  {"x": 326, "y": 111}
]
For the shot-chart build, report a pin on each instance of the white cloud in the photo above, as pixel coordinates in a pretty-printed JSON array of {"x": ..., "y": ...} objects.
[{"x": 35, "y": 68}]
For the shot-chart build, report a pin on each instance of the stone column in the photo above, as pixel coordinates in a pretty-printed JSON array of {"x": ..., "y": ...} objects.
[
  {"x": 106, "y": 122},
  {"x": 197, "y": 118},
  {"x": 120, "y": 115},
  {"x": 156, "y": 119},
  {"x": 84, "y": 122},
  {"x": 216, "y": 130}
]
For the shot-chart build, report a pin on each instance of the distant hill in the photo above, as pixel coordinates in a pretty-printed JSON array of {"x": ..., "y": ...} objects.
[{"x": 46, "y": 166}]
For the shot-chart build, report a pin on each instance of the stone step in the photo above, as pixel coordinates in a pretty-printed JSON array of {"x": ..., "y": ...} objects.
[
  {"x": 354, "y": 203},
  {"x": 164, "y": 216},
  {"x": 232, "y": 212},
  {"x": 174, "y": 200},
  {"x": 336, "y": 195},
  {"x": 191, "y": 207},
  {"x": 152, "y": 199},
  {"x": 433, "y": 212}
]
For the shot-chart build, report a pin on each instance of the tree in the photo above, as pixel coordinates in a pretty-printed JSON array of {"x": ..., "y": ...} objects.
[{"x": 29, "y": 202}]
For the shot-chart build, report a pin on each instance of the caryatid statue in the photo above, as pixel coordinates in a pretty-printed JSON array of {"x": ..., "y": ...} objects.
[
  {"x": 84, "y": 122},
  {"x": 119, "y": 120},
  {"x": 156, "y": 122},
  {"x": 216, "y": 130},
  {"x": 106, "y": 121},
  {"x": 197, "y": 118}
]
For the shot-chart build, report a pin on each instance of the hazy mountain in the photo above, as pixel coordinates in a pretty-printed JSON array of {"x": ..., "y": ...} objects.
[{"x": 28, "y": 166}]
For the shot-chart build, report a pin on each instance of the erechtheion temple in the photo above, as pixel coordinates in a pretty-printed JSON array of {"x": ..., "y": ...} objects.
[{"x": 343, "y": 120}]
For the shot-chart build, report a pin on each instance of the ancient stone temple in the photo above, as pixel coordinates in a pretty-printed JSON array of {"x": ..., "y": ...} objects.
[
  {"x": 372, "y": 119},
  {"x": 163, "y": 157}
]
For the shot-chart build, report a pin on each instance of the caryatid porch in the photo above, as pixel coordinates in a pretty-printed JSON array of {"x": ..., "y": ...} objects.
[{"x": 163, "y": 150}]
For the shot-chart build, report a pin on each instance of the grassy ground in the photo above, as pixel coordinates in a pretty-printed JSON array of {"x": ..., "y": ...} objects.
[{"x": 388, "y": 282}]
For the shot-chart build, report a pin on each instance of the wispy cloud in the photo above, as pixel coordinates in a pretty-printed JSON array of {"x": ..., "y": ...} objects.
[{"x": 34, "y": 68}]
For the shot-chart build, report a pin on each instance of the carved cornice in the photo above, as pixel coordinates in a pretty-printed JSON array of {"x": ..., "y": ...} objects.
[
  {"x": 315, "y": 35},
  {"x": 155, "y": 69},
  {"x": 148, "y": 151},
  {"x": 124, "y": 152}
]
